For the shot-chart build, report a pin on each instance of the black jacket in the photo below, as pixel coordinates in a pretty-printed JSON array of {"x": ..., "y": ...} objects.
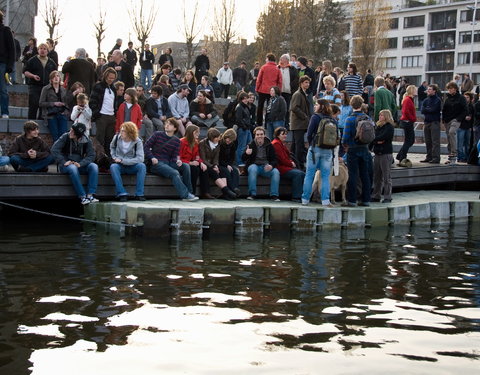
[
  {"x": 454, "y": 107},
  {"x": 151, "y": 108},
  {"x": 383, "y": 133},
  {"x": 130, "y": 57},
  {"x": 228, "y": 154},
  {"x": 202, "y": 64},
  {"x": 242, "y": 116},
  {"x": 165, "y": 58},
  {"x": 271, "y": 156},
  {"x": 34, "y": 66},
  {"x": 146, "y": 60},
  {"x": 476, "y": 121},
  {"x": 467, "y": 124},
  {"x": 278, "y": 109},
  {"x": 7, "y": 48},
  {"x": 431, "y": 108},
  {"x": 96, "y": 98},
  {"x": 125, "y": 74},
  {"x": 80, "y": 70}
]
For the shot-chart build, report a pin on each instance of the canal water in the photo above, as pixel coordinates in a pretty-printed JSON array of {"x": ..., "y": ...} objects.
[{"x": 396, "y": 300}]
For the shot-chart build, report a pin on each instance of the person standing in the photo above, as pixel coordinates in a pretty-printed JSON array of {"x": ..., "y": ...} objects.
[
  {"x": 467, "y": 84},
  {"x": 327, "y": 70},
  {"x": 252, "y": 76},
  {"x": 299, "y": 119},
  {"x": 75, "y": 155},
  {"x": 52, "y": 103},
  {"x": 117, "y": 46},
  {"x": 289, "y": 82},
  {"x": 130, "y": 56},
  {"x": 240, "y": 76},
  {"x": 268, "y": 76},
  {"x": 146, "y": 64},
  {"x": 80, "y": 70},
  {"x": 276, "y": 111},
  {"x": 382, "y": 162},
  {"x": 383, "y": 98},
  {"x": 7, "y": 60},
  {"x": 407, "y": 121},
  {"x": 422, "y": 93},
  {"x": 225, "y": 78},
  {"x": 202, "y": 65},
  {"x": 166, "y": 58},
  {"x": 353, "y": 81},
  {"x": 127, "y": 155},
  {"x": 124, "y": 72},
  {"x": 243, "y": 123},
  {"x": 431, "y": 109},
  {"x": 29, "y": 152},
  {"x": 38, "y": 71},
  {"x": 51, "y": 51},
  {"x": 453, "y": 113},
  {"x": 465, "y": 130}
]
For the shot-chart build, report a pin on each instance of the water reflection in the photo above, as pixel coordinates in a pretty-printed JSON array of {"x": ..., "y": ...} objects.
[{"x": 371, "y": 299}]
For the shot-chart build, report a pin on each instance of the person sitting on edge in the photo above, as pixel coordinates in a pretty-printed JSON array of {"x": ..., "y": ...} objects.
[
  {"x": 29, "y": 152},
  {"x": 286, "y": 166},
  {"x": 260, "y": 159},
  {"x": 162, "y": 150},
  {"x": 74, "y": 153},
  {"x": 180, "y": 109},
  {"x": 209, "y": 153},
  {"x": 189, "y": 154},
  {"x": 205, "y": 86},
  {"x": 127, "y": 154},
  {"x": 202, "y": 112},
  {"x": 227, "y": 160},
  {"x": 157, "y": 111},
  {"x": 129, "y": 110}
]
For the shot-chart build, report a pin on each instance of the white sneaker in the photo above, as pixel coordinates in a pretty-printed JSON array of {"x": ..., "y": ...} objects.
[
  {"x": 190, "y": 198},
  {"x": 5, "y": 116},
  {"x": 84, "y": 201},
  {"x": 305, "y": 202},
  {"x": 92, "y": 199}
]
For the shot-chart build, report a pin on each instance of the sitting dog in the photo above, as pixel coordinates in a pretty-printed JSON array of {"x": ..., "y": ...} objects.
[{"x": 336, "y": 182}]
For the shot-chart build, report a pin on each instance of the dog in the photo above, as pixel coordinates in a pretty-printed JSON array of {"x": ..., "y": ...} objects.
[{"x": 336, "y": 182}]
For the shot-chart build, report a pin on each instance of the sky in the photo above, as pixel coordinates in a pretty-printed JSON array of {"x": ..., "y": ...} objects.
[{"x": 76, "y": 26}]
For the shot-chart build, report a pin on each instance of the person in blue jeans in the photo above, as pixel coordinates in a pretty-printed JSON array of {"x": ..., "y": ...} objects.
[
  {"x": 318, "y": 158},
  {"x": 359, "y": 159},
  {"x": 260, "y": 160},
  {"x": 127, "y": 154},
  {"x": 242, "y": 120},
  {"x": 4, "y": 160},
  {"x": 29, "y": 152},
  {"x": 74, "y": 154},
  {"x": 162, "y": 150},
  {"x": 53, "y": 99}
]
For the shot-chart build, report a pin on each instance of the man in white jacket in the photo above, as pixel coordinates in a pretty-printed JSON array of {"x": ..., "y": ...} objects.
[{"x": 225, "y": 78}]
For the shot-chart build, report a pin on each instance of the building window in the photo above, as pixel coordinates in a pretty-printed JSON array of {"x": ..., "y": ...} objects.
[
  {"x": 412, "y": 61},
  {"x": 389, "y": 63},
  {"x": 467, "y": 15},
  {"x": 391, "y": 43},
  {"x": 476, "y": 58},
  {"x": 413, "y": 41},
  {"x": 463, "y": 58},
  {"x": 394, "y": 24},
  {"x": 466, "y": 37},
  {"x": 443, "y": 20},
  {"x": 416, "y": 21}
]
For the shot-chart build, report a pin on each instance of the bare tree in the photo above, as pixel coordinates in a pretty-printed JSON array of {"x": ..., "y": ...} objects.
[
  {"x": 224, "y": 27},
  {"x": 52, "y": 17},
  {"x": 369, "y": 42},
  {"x": 142, "y": 20},
  {"x": 100, "y": 29},
  {"x": 191, "y": 29}
]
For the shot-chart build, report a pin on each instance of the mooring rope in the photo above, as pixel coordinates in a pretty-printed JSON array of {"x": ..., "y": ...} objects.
[{"x": 66, "y": 217}]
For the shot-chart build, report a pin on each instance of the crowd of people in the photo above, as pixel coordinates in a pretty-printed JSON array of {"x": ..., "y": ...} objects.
[{"x": 345, "y": 117}]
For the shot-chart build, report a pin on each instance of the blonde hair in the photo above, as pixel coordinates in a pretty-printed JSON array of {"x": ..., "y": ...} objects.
[
  {"x": 329, "y": 79},
  {"x": 410, "y": 91},
  {"x": 131, "y": 130},
  {"x": 230, "y": 134},
  {"x": 388, "y": 117}
]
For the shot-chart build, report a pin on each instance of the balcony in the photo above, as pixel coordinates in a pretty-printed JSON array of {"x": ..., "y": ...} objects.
[
  {"x": 440, "y": 66},
  {"x": 442, "y": 25},
  {"x": 440, "y": 62},
  {"x": 441, "y": 46}
]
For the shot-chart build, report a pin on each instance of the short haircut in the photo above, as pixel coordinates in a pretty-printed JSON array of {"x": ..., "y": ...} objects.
[
  {"x": 259, "y": 128},
  {"x": 203, "y": 92},
  {"x": 166, "y": 66},
  {"x": 241, "y": 95},
  {"x": 158, "y": 89},
  {"x": 329, "y": 79},
  {"x": 379, "y": 81},
  {"x": 230, "y": 134},
  {"x": 133, "y": 94},
  {"x": 131, "y": 130},
  {"x": 452, "y": 85},
  {"x": 29, "y": 126},
  {"x": 42, "y": 45},
  {"x": 304, "y": 78},
  {"x": 118, "y": 84},
  {"x": 177, "y": 71},
  {"x": 434, "y": 87},
  {"x": 270, "y": 57},
  {"x": 140, "y": 87},
  {"x": 279, "y": 131},
  {"x": 172, "y": 121},
  {"x": 213, "y": 133},
  {"x": 335, "y": 109},
  {"x": 276, "y": 89},
  {"x": 356, "y": 102},
  {"x": 108, "y": 71}
]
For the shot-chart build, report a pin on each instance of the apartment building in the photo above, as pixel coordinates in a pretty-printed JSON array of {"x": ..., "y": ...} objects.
[{"x": 431, "y": 40}]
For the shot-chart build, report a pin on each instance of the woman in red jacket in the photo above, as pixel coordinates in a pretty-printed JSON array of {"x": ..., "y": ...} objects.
[
  {"x": 407, "y": 121},
  {"x": 286, "y": 166},
  {"x": 129, "y": 110}
]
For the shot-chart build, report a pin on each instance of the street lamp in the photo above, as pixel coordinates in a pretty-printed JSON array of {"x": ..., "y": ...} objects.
[{"x": 474, "y": 9}]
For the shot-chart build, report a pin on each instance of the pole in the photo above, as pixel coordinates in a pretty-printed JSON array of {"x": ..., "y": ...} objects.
[
  {"x": 7, "y": 18},
  {"x": 473, "y": 37}
]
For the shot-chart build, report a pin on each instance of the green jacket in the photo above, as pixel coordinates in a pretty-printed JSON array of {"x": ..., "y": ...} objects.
[{"x": 384, "y": 99}]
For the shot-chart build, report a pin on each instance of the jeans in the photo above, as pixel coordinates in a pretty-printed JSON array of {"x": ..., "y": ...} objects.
[
  {"x": 255, "y": 170},
  {"x": 3, "y": 90},
  {"x": 225, "y": 89},
  {"x": 296, "y": 176},
  {"x": 431, "y": 131},
  {"x": 180, "y": 176},
  {"x": 262, "y": 98},
  {"x": 57, "y": 126},
  {"x": 35, "y": 165},
  {"x": 4, "y": 160},
  {"x": 146, "y": 78},
  {"x": 244, "y": 137},
  {"x": 139, "y": 169},
  {"x": 272, "y": 125},
  {"x": 91, "y": 170},
  {"x": 318, "y": 159},
  {"x": 463, "y": 141},
  {"x": 408, "y": 141},
  {"x": 359, "y": 163}
]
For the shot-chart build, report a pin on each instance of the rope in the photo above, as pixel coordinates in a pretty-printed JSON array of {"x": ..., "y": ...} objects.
[{"x": 65, "y": 217}]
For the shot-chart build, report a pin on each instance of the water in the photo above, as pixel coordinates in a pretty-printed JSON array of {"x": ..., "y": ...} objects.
[{"x": 402, "y": 300}]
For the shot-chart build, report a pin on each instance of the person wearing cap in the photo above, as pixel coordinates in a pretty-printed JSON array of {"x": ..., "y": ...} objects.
[
  {"x": 74, "y": 154},
  {"x": 180, "y": 108},
  {"x": 240, "y": 76},
  {"x": 29, "y": 152},
  {"x": 225, "y": 78}
]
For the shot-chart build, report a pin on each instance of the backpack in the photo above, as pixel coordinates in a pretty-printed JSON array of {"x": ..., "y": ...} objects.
[
  {"x": 365, "y": 129},
  {"x": 327, "y": 134},
  {"x": 229, "y": 114}
]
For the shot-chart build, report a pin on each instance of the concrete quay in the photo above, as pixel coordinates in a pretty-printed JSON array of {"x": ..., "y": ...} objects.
[{"x": 160, "y": 218}]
